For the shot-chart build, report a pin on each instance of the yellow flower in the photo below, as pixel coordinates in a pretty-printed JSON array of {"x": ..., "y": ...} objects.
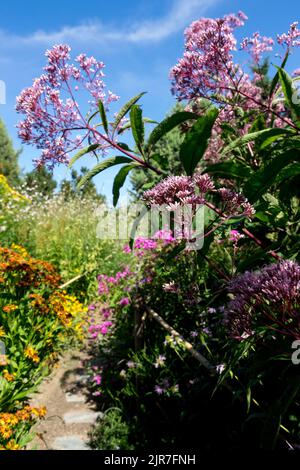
[
  {"x": 11, "y": 445},
  {"x": 2, "y": 332},
  {"x": 31, "y": 353},
  {"x": 39, "y": 412}
]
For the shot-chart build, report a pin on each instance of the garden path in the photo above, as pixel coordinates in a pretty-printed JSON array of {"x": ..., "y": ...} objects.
[{"x": 70, "y": 414}]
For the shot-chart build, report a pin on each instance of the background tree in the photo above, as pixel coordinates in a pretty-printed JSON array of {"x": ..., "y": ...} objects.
[
  {"x": 70, "y": 190},
  {"x": 9, "y": 166},
  {"x": 42, "y": 180}
]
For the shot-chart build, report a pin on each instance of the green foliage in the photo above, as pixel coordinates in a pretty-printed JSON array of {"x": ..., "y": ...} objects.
[
  {"x": 112, "y": 432},
  {"x": 165, "y": 152},
  {"x": 196, "y": 141},
  {"x": 9, "y": 166}
]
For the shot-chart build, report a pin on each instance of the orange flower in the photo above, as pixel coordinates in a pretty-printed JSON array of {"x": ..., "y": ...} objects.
[
  {"x": 10, "y": 308},
  {"x": 9, "y": 377}
]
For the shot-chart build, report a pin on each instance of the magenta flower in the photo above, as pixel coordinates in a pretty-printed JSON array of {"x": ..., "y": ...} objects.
[
  {"x": 97, "y": 379},
  {"x": 124, "y": 301}
]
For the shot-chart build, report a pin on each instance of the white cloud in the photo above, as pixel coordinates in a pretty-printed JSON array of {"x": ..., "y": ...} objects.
[{"x": 181, "y": 12}]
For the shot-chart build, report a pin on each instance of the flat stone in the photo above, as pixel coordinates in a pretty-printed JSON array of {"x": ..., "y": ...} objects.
[
  {"x": 82, "y": 378},
  {"x": 81, "y": 417},
  {"x": 74, "y": 398},
  {"x": 70, "y": 443}
]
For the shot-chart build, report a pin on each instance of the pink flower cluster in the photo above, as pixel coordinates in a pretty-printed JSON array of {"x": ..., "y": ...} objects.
[
  {"x": 291, "y": 38},
  {"x": 96, "y": 330},
  {"x": 179, "y": 190},
  {"x": 186, "y": 190},
  {"x": 269, "y": 297},
  {"x": 257, "y": 45},
  {"x": 143, "y": 244},
  {"x": 105, "y": 281},
  {"x": 52, "y": 113},
  {"x": 207, "y": 64}
]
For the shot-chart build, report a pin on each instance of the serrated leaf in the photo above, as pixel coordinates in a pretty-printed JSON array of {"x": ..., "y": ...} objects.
[
  {"x": 120, "y": 180},
  {"x": 262, "y": 135},
  {"x": 262, "y": 180},
  {"x": 168, "y": 124},
  {"x": 124, "y": 110},
  {"x": 196, "y": 140},
  {"x": 101, "y": 167},
  {"x": 289, "y": 172},
  {"x": 229, "y": 169},
  {"x": 103, "y": 116},
  {"x": 90, "y": 148},
  {"x": 137, "y": 125}
]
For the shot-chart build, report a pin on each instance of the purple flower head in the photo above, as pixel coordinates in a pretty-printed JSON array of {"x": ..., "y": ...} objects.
[{"x": 269, "y": 297}]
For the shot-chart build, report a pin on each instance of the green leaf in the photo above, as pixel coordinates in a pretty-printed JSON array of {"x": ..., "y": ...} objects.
[
  {"x": 100, "y": 167},
  {"x": 289, "y": 92},
  {"x": 289, "y": 172},
  {"x": 167, "y": 125},
  {"x": 196, "y": 140},
  {"x": 120, "y": 180},
  {"x": 137, "y": 125},
  {"x": 103, "y": 116},
  {"x": 275, "y": 137},
  {"x": 276, "y": 77},
  {"x": 124, "y": 110},
  {"x": 124, "y": 146},
  {"x": 262, "y": 180},
  {"x": 82, "y": 152},
  {"x": 229, "y": 169},
  {"x": 262, "y": 135}
]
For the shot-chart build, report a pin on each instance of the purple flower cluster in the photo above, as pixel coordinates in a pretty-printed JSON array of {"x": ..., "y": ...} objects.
[
  {"x": 52, "y": 113},
  {"x": 270, "y": 297}
]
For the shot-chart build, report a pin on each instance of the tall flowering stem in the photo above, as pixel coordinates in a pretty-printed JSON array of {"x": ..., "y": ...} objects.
[{"x": 54, "y": 121}]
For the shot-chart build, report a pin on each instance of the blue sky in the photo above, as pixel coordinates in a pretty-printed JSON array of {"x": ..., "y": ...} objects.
[{"x": 139, "y": 40}]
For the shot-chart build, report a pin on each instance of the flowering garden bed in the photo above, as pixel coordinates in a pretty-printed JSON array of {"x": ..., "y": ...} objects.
[{"x": 191, "y": 329}]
